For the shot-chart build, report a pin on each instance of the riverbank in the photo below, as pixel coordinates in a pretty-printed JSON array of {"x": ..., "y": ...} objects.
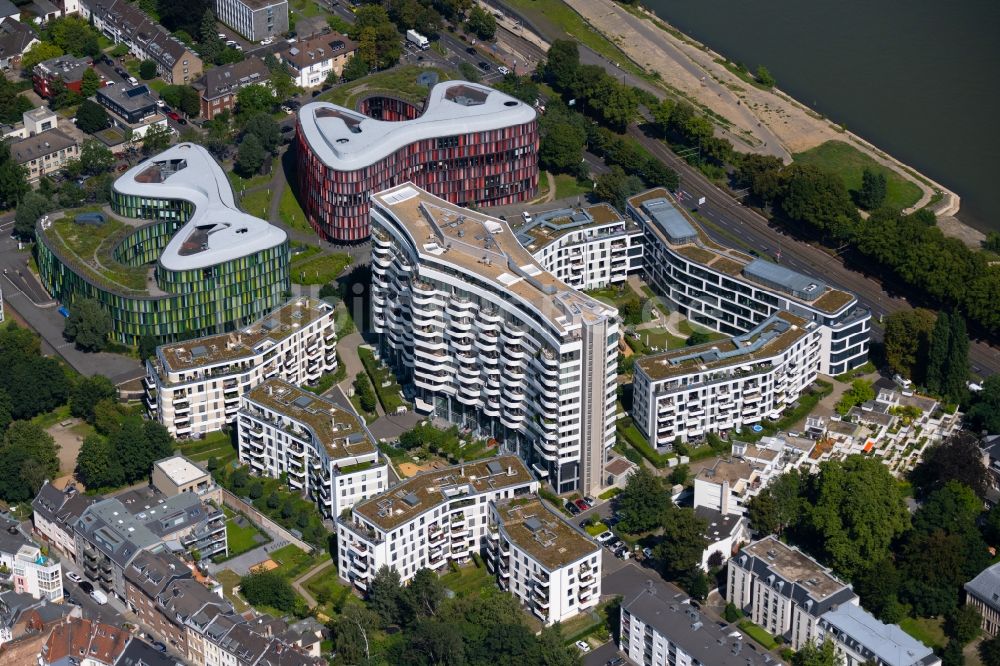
[{"x": 760, "y": 120}]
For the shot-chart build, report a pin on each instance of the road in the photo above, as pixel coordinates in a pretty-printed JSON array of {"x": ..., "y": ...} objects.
[{"x": 755, "y": 232}]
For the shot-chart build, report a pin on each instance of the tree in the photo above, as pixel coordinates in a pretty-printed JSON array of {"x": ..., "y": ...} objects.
[
  {"x": 355, "y": 68},
  {"x": 40, "y": 52},
  {"x": 95, "y": 157},
  {"x": 907, "y": 334},
  {"x": 989, "y": 652},
  {"x": 352, "y": 633},
  {"x": 90, "y": 83},
  {"x": 615, "y": 187},
  {"x": 563, "y": 134},
  {"x": 819, "y": 199},
  {"x": 642, "y": 504},
  {"x": 424, "y": 594},
  {"x": 878, "y": 586},
  {"x": 6, "y": 410},
  {"x": 482, "y": 23},
  {"x": 28, "y": 456},
  {"x": 12, "y": 104},
  {"x": 250, "y": 156},
  {"x": 680, "y": 474},
  {"x": 760, "y": 173},
  {"x": 561, "y": 63},
  {"x": 697, "y": 338},
  {"x": 964, "y": 624},
  {"x": 873, "y": 189},
  {"x": 932, "y": 571},
  {"x": 255, "y": 99},
  {"x": 87, "y": 393},
  {"x": 98, "y": 464},
  {"x": 75, "y": 35},
  {"x": 268, "y": 588},
  {"x": 857, "y": 511},
  {"x": 958, "y": 458},
  {"x": 385, "y": 596},
  {"x": 811, "y": 654},
  {"x": 860, "y": 392},
  {"x": 955, "y": 509},
  {"x": 519, "y": 87},
  {"x": 13, "y": 180},
  {"x": 156, "y": 139},
  {"x": 764, "y": 77},
  {"x": 366, "y": 394},
  {"x": 468, "y": 71},
  {"x": 88, "y": 325},
  {"x": 147, "y": 70},
  {"x": 937, "y": 355},
  {"x": 779, "y": 505},
  {"x": 147, "y": 346},
  {"x": 435, "y": 642},
  {"x": 956, "y": 369},
  {"x": 731, "y": 613},
  {"x": 264, "y": 127},
  {"x": 683, "y": 541},
  {"x": 91, "y": 117},
  {"x": 32, "y": 207},
  {"x": 984, "y": 414}
]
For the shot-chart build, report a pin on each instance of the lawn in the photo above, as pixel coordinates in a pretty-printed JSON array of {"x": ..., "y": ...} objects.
[
  {"x": 468, "y": 580},
  {"x": 567, "y": 186},
  {"x": 927, "y": 631},
  {"x": 90, "y": 248},
  {"x": 758, "y": 634},
  {"x": 367, "y": 416},
  {"x": 399, "y": 82},
  {"x": 848, "y": 162},
  {"x": 319, "y": 270},
  {"x": 294, "y": 561},
  {"x": 596, "y": 528},
  {"x": 242, "y": 538},
  {"x": 49, "y": 419},
  {"x": 291, "y": 212},
  {"x": 328, "y": 591},
  {"x": 216, "y": 445},
  {"x": 229, "y": 580},
  {"x": 240, "y": 183},
  {"x": 386, "y": 387},
  {"x": 257, "y": 203}
]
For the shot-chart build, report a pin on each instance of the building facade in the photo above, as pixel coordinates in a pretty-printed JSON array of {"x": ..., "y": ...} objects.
[
  {"x": 313, "y": 60},
  {"x": 720, "y": 386},
  {"x": 45, "y": 153},
  {"x": 428, "y": 520},
  {"x": 176, "y": 474},
  {"x": 216, "y": 268},
  {"x": 195, "y": 387},
  {"x": 983, "y": 592},
  {"x": 323, "y": 450},
  {"x": 548, "y": 565},
  {"x": 470, "y": 144},
  {"x": 254, "y": 19},
  {"x": 860, "y": 639},
  {"x": 587, "y": 248},
  {"x": 31, "y": 572},
  {"x": 66, "y": 68},
  {"x": 732, "y": 292},
  {"x": 489, "y": 340},
  {"x": 220, "y": 86},
  {"x": 54, "y": 512}
]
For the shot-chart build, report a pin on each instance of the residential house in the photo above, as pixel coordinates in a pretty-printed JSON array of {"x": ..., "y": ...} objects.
[
  {"x": 9, "y": 11},
  {"x": 54, "y": 512},
  {"x": 44, "y": 153},
  {"x": 312, "y": 60},
  {"x": 255, "y": 20},
  {"x": 983, "y": 592},
  {"x": 66, "y": 68},
  {"x": 176, "y": 474},
  {"x": 860, "y": 639},
  {"x": 15, "y": 39},
  {"x": 219, "y": 86},
  {"x": 724, "y": 533},
  {"x": 85, "y": 643},
  {"x": 23, "y": 615},
  {"x": 33, "y": 121}
]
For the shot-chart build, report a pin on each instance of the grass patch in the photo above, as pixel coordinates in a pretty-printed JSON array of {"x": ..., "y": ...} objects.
[
  {"x": 157, "y": 84},
  {"x": 230, "y": 580},
  {"x": 628, "y": 433},
  {"x": 240, "y": 183},
  {"x": 49, "y": 419},
  {"x": 867, "y": 368},
  {"x": 568, "y": 186},
  {"x": 328, "y": 591},
  {"x": 847, "y": 162},
  {"x": 594, "y": 623},
  {"x": 291, "y": 212},
  {"x": 257, "y": 203},
  {"x": 596, "y": 528},
  {"x": 758, "y": 634},
  {"x": 930, "y": 632},
  {"x": 468, "y": 580},
  {"x": 242, "y": 539},
  {"x": 295, "y": 561},
  {"x": 609, "y": 493},
  {"x": 90, "y": 248},
  {"x": 398, "y": 82},
  {"x": 367, "y": 416},
  {"x": 319, "y": 270},
  {"x": 386, "y": 387}
]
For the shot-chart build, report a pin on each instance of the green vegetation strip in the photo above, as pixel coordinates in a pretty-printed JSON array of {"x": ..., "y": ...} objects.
[
  {"x": 926, "y": 630},
  {"x": 848, "y": 163},
  {"x": 631, "y": 435},
  {"x": 387, "y": 395},
  {"x": 399, "y": 82},
  {"x": 758, "y": 634},
  {"x": 319, "y": 270},
  {"x": 468, "y": 580}
]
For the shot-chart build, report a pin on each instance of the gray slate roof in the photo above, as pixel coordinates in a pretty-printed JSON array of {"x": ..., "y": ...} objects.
[{"x": 986, "y": 586}]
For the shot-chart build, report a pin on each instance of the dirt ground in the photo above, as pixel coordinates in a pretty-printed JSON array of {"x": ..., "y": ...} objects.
[
  {"x": 410, "y": 469},
  {"x": 69, "y": 436}
]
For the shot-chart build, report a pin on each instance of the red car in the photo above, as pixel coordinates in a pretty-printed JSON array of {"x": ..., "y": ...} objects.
[
  {"x": 173, "y": 115},
  {"x": 581, "y": 504}
]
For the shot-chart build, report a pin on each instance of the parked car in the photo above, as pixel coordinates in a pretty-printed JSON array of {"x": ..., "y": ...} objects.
[
  {"x": 590, "y": 500},
  {"x": 614, "y": 544},
  {"x": 293, "y": 104},
  {"x": 231, "y": 42},
  {"x": 266, "y": 41},
  {"x": 158, "y": 646},
  {"x": 647, "y": 553},
  {"x": 584, "y": 647},
  {"x": 132, "y": 81},
  {"x": 87, "y": 586},
  {"x": 503, "y": 70},
  {"x": 99, "y": 597},
  {"x": 285, "y": 109},
  {"x": 581, "y": 505},
  {"x": 74, "y": 576},
  {"x": 161, "y": 104},
  {"x": 572, "y": 508},
  {"x": 485, "y": 66},
  {"x": 121, "y": 72},
  {"x": 617, "y": 661},
  {"x": 222, "y": 35},
  {"x": 605, "y": 537},
  {"x": 471, "y": 50},
  {"x": 622, "y": 553}
]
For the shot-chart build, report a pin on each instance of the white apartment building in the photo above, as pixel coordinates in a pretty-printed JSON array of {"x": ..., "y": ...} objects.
[
  {"x": 732, "y": 292},
  {"x": 658, "y": 629},
  {"x": 718, "y": 386},
  {"x": 30, "y": 571},
  {"x": 860, "y": 639},
  {"x": 587, "y": 248},
  {"x": 254, "y": 19},
  {"x": 326, "y": 453},
  {"x": 195, "y": 387},
  {"x": 550, "y": 566},
  {"x": 491, "y": 341},
  {"x": 428, "y": 520},
  {"x": 783, "y": 590}
]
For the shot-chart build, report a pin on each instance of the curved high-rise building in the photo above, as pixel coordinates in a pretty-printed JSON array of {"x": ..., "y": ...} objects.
[
  {"x": 490, "y": 340},
  {"x": 470, "y": 144},
  {"x": 177, "y": 259}
]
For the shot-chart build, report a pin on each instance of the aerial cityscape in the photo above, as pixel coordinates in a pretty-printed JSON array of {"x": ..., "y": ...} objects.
[{"x": 464, "y": 333}]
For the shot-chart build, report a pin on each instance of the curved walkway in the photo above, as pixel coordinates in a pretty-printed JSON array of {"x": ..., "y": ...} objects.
[{"x": 300, "y": 588}]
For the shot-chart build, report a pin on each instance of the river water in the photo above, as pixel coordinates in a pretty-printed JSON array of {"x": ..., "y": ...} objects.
[{"x": 918, "y": 78}]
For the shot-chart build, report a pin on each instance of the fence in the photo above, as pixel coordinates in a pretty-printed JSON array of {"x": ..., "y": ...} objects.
[{"x": 274, "y": 529}]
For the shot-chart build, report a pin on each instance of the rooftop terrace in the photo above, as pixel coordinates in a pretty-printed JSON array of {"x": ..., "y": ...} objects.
[
  {"x": 337, "y": 430},
  {"x": 550, "y": 226},
  {"x": 486, "y": 247},
  {"x": 425, "y": 491},
  {"x": 228, "y": 347},
  {"x": 773, "y": 336},
  {"x": 537, "y": 530}
]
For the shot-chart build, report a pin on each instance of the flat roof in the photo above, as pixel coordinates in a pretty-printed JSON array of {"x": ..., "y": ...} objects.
[
  {"x": 485, "y": 247},
  {"x": 180, "y": 470},
  {"x": 673, "y": 224},
  {"x": 549, "y": 226},
  {"x": 346, "y": 140},
  {"x": 218, "y": 231},
  {"x": 224, "y": 347},
  {"x": 771, "y": 337},
  {"x": 731, "y": 471},
  {"x": 795, "y": 567},
  {"x": 539, "y": 531},
  {"x": 423, "y": 492},
  {"x": 888, "y": 642},
  {"x": 336, "y": 430}
]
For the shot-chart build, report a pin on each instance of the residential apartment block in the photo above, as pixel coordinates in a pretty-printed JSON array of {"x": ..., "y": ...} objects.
[
  {"x": 24, "y": 620},
  {"x": 860, "y": 639},
  {"x": 720, "y": 386},
  {"x": 983, "y": 592},
  {"x": 661, "y": 630},
  {"x": 55, "y": 512},
  {"x": 313, "y": 60},
  {"x": 587, "y": 248},
  {"x": 428, "y": 520},
  {"x": 66, "y": 68},
  {"x": 124, "y": 23},
  {"x": 732, "y": 292},
  {"x": 254, "y": 19},
  {"x": 195, "y": 387},
  {"x": 113, "y": 531},
  {"x": 469, "y": 144},
  {"x": 220, "y": 86},
  {"x": 44, "y": 153},
  {"x": 324, "y": 451},
  {"x": 491, "y": 341},
  {"x": 31, "y": 572},
  {"x": 548, "y": 565}
]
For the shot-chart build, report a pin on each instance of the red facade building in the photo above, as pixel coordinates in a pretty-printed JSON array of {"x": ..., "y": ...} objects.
[
  {"x": 66, "y": 67},
  {"x": 471, "y": 145}
]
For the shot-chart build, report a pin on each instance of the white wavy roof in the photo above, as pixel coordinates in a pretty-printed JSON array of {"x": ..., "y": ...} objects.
[
  {"x": 217, "y": 231},
  {"x": 340, "y": 147}
]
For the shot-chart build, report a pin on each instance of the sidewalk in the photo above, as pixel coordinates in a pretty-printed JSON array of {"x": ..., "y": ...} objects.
[{"x": 297, "y": 583}]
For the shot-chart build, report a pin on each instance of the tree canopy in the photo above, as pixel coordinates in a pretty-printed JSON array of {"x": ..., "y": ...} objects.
[
  {"x": 91, "y": 117},
  {"x": 88, "y": 325},
  {"x": 28, "y": 456},
  {"x": 958, "y": 458},
  {"x": 268, "y": 588},
  {"x": 640, "y": 507}
]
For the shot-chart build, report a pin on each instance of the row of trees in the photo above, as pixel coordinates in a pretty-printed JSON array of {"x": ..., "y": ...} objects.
[
  {"x": 931, "y": 349},
  {"x": 123, "y": 448},
  {"x": 419, "y": 624}
]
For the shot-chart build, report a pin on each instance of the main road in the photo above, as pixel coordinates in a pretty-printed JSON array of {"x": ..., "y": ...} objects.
[{"x": 730, "y": 222}]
